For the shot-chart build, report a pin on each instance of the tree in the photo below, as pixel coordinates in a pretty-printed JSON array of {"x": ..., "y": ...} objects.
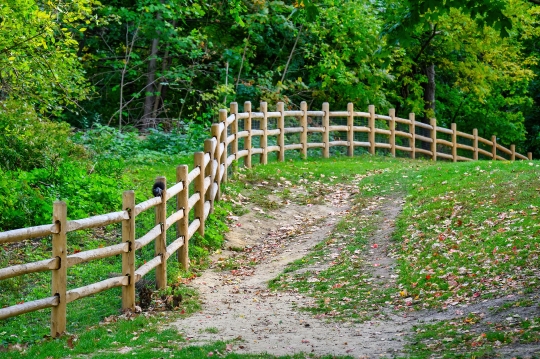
[
  {"x": 38, "y": 53},
  {"x": 479, "y": 70}
]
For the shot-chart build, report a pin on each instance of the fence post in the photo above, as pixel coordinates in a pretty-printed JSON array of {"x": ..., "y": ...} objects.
[
  {"x": 217, "y": 162},
  {"x": 128, "y": 259},
  {"x": 326, "y": 126},
  {"x": 350, "y": 129},
  {"x": 371, "y": 125},
  {"x": 412, "y": 131},
  {"x": 160, "y": 244},
  {"x": 59, "y": 276},
  {"x": 247, "y": 140},
  {"x": 392, "y": 113},
  {"x": 264, "y": 138},
  {"x": 183, "y": 223},
  {"x": 199, "y": 188},
  {"x": 453, "y": 127},
  {"x": 303, "y": 124},
  {"x": 433, "y": 123},
  {"x": 209, "y": 172},
  {"x": 513, "y": 155},
  {"x": 234, "y": 131},
  {"x": 224, "y": 154},
  {"x": 281, "y": 126},
  {"x": 494, "y": 148},
  {"x": 475, "y": 144},
  {"x": 529, "y": 156}
]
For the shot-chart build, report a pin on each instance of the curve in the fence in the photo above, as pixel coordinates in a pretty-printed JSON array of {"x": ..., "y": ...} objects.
[{"x": 230, "y": 142}]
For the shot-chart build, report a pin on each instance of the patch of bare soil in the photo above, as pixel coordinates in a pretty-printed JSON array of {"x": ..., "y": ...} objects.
[{"x": 237, "y": 304}]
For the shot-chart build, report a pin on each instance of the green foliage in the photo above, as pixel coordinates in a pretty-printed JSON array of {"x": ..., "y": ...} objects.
[
  {"x": 38, "y": 53},
  {"x": 28, "y": 142}
]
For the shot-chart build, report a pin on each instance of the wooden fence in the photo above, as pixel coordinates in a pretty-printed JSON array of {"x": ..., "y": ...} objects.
[{"x": 232, "y": 139}]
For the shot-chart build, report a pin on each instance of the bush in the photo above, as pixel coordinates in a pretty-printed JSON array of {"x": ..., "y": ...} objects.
[{"x": 28, "y": 142}]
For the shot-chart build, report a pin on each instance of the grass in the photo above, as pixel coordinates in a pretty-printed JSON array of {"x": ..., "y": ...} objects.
[
  {"x": 472, "y": 337},
  {"x": 468, "y": 232}
]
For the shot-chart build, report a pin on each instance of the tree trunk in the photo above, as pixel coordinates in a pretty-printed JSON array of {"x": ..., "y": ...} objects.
[
  {"x": 429, "y": 100},
  {"x": 429, "y": 93},
  {"x": 150, "y": 89}
]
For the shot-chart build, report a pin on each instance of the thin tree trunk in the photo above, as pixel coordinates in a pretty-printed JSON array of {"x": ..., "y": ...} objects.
[
  {"x": 226, "y": 81},
  {"x": 291, "y": 54},
  {"x": 150, "y": 86},
  {"x": 242, "y": 63},
  {"x": 429, "y": 99},
  {"x": 129, "y": 50}
]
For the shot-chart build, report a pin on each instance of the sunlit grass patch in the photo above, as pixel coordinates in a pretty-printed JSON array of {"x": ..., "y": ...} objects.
[{"x": 470, "y": 231}]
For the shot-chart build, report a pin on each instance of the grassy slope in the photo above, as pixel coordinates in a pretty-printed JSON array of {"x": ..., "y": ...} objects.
[{"x": 468, "y": 231}]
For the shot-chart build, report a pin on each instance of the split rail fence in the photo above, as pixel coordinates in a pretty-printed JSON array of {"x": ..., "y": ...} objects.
[{"x": 232, "y": 139}]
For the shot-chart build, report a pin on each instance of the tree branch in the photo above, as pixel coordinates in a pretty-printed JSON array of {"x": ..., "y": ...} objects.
[
  {"x": 425, "y": 45},
  {"x": 291, "y": 54}
]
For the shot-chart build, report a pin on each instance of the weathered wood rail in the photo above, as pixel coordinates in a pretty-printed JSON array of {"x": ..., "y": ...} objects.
[{"x": 229, "y": 143}]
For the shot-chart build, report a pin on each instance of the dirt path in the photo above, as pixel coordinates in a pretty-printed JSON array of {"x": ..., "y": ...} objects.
[{"x": 238, "y": 305}]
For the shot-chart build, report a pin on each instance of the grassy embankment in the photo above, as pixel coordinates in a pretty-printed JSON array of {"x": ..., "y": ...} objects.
[{"x": 468, "y": 232}]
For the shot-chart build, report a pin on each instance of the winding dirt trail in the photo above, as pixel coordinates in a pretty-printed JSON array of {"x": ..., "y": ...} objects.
[{"x": 239, "y": 307}]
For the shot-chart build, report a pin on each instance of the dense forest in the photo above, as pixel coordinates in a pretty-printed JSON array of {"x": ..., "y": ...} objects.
[{"x": 113, "y": 69}]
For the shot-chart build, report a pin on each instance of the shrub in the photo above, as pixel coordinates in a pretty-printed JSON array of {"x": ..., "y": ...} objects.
[{"x": 28, "y": 142}]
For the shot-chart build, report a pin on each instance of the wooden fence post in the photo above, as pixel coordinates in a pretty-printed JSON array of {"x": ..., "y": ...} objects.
[
  {"x": 264, "y": 138},
  {"x": 433, "y": 123},
  {"x": 475, "y": 144},
  {"x": 494, "y": 148},
  {"x": 183, "y": 223},
  {"x": 529, "y": 156},
  {"x": 513, "y": 150},
  {"x": 303, "y": 124},
  {"x": 209, "y": 170},
  {"x": 199, "y": 188},
  {"x": 217, "y": 162},
  {"x": 128, "y": 259},
  {"x": 392, "y": 113},
  {"x": 160, "y": 244},
  {"x": 247, "y": 140},
  {"x": 454, "y": 142},
  {"x": 412, "y": 131},
  {"x": 224, "y": 154},
  {"x": 281, "y": 126},
  {"x": 234, "y": 131},
  {"x": 350, "y": 129},
  {"x": 59, "y": 276},
  {"x": 371, "y": 125},
  {"x": 326, "y": 126}
]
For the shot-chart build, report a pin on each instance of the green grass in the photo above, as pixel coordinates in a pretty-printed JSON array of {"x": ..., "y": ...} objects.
[
  {"x": 471, "y": 336},
  {"x": 468, "y": 232}
]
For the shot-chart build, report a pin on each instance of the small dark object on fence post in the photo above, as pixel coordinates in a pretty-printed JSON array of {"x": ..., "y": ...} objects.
[
  {"x": 160, "y": 244},
  {"x": 158, "y": 188}
]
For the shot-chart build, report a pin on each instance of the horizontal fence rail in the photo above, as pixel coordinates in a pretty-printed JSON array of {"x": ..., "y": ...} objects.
[{"x": 235, "y": 137}]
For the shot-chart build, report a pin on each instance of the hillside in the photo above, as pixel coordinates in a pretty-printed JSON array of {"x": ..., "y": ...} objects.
[{"x": 454, "y": 247}]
